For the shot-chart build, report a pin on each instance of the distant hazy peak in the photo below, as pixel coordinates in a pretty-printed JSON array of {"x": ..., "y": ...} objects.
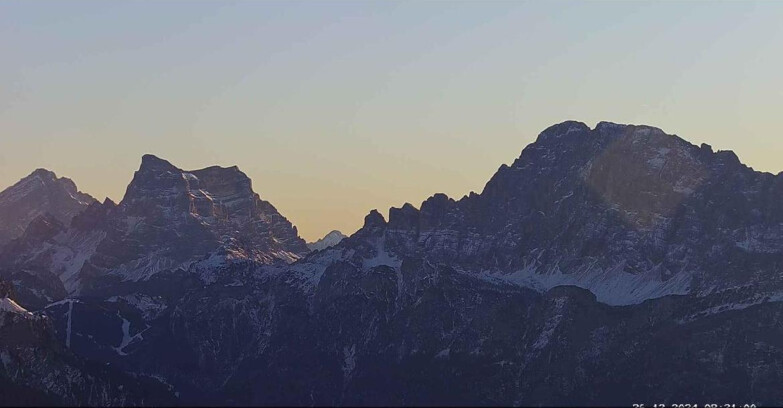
[
  {"x": 42, "y": 178},
  {"x": 329, "y": 240}
]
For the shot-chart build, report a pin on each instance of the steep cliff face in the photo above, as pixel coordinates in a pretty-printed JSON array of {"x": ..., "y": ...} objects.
[
  {"x": 628, "y": 212},
  {"x": 39, "y": 193},
  {"x": 196, "y": 212},
  {"x": 168, "y": 220}
]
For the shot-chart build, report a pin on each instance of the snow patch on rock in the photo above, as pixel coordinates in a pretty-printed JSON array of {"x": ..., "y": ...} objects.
[
  {"x": 8, "y": 305},
  {"x": 612, "y": 286}
]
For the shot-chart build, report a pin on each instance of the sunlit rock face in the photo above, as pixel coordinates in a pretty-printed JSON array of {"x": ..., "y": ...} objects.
[
  {"x": 42, "y": 192},
  {"x": 201, "y": 210},
  {"x": 169, "y": 220},
  {"x": 645, "y": 173}
]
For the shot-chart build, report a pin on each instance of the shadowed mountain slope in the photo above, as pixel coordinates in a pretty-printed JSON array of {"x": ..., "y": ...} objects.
[{"x": 39, "y": 193}]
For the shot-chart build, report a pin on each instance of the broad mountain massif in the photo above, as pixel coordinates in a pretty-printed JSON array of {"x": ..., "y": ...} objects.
[{"x": 605, "y": 266}]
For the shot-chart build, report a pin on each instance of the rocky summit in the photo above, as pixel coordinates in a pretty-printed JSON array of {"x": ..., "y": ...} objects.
[
  {"x": 170, "y": 220},
  {"x": 605, "y": 266},
  {"x": 42, "y": 192},
  {"x": 627, "y": 212}
]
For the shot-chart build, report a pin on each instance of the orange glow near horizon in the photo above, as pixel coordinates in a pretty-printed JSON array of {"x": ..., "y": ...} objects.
[{"x": 333, "y": 109}]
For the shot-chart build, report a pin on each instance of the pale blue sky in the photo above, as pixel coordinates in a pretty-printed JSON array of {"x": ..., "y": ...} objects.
[{"x": 337, "y": 108}]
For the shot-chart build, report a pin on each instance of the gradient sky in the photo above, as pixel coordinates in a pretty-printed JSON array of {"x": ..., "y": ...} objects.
[{"x": 334, "y": 109}]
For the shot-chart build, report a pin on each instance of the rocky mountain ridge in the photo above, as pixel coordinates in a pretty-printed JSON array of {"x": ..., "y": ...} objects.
[
  {"x": 39, "y": 193},
  {"x": 169, "y": 219},
  {"x": 604, "y": 266},
  {"x": 616, "y": 210}
]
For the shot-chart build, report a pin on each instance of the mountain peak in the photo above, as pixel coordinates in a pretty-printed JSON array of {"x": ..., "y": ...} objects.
[
  {"x": 633, "y": 181},
  {"x": 38, "y": 193},
  {"x": 222, "y": 181},
  {"x": 563, "y": 128},
  {"x": 403, "y": 218},
  {"x": 374, "y": 219},
  {"x": 168, "y": 219},
  {"x": 329, "y": 240},
  {"x": 603, "y": 128},
  {"x": 151, "y": 162},
  {"x": 44, "y": 173}
]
